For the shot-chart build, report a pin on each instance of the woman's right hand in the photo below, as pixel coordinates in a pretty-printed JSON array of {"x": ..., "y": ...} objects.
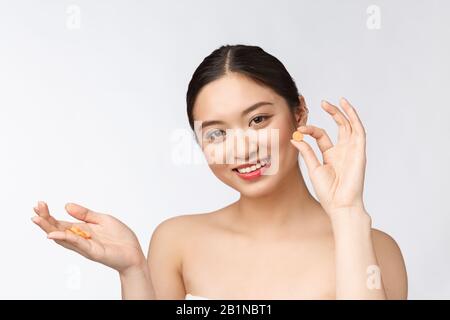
[{"x": 112, "y": 243}]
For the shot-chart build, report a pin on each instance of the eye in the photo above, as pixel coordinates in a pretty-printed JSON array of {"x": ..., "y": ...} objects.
[
  {"x": 215, "y": 135},
  {"x": 259, "y": 119}
]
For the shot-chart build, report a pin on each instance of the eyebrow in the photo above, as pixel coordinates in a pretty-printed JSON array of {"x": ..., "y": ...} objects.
[{"x": 243, "y": 113}]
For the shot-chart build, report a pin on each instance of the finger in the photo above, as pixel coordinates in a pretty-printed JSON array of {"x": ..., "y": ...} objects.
[
  {"x": 344, "y": 126},
  {"x": 67, "y": 245},
  {"x": 63, "y": 224},
  {"x": 44, "y": 224},
  {"x": 308, "y": 154},
  {"x": 71, "y": 239},
  {"x": 42, "y": 209},
  {"x": 355, "y": 121},
  {"x": 323, "y": 140},
  {"x": 82, "y": 213},
  {"x": 57, "y": 223}
]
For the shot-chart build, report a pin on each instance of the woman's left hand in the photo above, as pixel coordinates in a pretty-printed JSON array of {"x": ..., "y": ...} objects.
[{"x": 339, "y": 181}]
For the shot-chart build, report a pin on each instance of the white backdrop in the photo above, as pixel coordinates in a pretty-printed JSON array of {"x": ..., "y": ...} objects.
[{"x": 90, "y": 93}]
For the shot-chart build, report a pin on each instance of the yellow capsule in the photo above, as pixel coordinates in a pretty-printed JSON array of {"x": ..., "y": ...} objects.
[
  {"x": 297, "y": 136},
  {"x": 79, "y": 232}
]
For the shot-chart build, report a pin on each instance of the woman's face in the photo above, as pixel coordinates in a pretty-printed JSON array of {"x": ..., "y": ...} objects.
[{"x": 244, "y": 130}]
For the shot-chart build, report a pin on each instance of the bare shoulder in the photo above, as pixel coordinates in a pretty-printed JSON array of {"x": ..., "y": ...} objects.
[
  {"x": 188, "y": 224},
  {"x": 384, "y": 241},
  {"x": 386, "y": 247},
  {"x": 175, "y": 224},
  {"x": 392, "y": 265},
  {"x": 174, "y": 227},
  {"x": 176, "y": 231},
  {"x": 165, "y": 254}
]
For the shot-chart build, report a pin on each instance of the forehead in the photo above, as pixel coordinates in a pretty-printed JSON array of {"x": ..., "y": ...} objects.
[{"x": 229, "y": 95}]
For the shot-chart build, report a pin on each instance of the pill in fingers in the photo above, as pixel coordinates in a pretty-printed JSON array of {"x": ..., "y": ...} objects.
[
  {"x": 79, "y": 232},
  {"x": 297, "y": 136}
]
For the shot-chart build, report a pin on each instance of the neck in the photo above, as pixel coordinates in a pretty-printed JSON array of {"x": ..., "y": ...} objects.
[{"x": 290, "y": 202}]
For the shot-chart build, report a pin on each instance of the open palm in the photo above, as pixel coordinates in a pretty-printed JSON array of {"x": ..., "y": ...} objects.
[{"x": 112, "y": 243}]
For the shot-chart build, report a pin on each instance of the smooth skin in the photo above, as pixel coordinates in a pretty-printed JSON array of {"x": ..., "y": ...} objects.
[
  {"x": 276, "y": 241},
  {"x": 112, "y": 243}
]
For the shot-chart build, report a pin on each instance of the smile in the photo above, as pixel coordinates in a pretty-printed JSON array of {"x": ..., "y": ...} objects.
[{"x": 251, "y": 171}]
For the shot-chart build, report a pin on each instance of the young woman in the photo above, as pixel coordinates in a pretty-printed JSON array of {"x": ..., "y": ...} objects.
[{"x": 277, "y": 241}]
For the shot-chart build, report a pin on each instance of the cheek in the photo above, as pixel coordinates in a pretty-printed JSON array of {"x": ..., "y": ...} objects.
[
  {"x": 219, "y": 169},
  {"x": 286, "y": 128},
  {"x": 215, "y": 154},
  {"x": 223, "y": 173},
  {"x": 280, "y": 136},
  {"x": 286, "y": 147}
]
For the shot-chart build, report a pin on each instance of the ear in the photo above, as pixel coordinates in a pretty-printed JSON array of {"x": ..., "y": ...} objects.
[{"x": 301, "y": 112}]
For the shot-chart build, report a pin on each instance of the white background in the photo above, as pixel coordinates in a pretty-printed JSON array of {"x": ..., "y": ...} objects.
[{"x": 86, "y": 115}]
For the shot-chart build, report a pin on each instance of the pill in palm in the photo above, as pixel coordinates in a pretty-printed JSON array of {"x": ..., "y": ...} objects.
[{"x": 79, "y": 232}]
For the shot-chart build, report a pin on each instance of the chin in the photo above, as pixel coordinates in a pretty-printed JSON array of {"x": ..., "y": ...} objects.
[
  {"x": 256, "y": 186},
  {"x": 262, "y": 188}
]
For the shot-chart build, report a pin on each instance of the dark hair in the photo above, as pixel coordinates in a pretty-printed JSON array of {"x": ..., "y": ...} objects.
[{"x": 251, "y": 61}]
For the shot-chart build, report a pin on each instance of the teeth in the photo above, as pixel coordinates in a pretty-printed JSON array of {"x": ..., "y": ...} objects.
[
  {"x": 254, "y": 167},
  {"x": 265, "y": 161}
]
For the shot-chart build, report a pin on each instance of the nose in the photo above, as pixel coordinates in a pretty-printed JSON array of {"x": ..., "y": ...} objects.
[{"x": 245, "y": 147}]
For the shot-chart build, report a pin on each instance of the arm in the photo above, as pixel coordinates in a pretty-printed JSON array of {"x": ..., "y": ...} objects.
[
  {"x": 164, "y": 259},
  {"x": 392, "y": 265},
  {"x": 369, "y": 264},
  {"x": 165, "y": 280},
  {"x": 136, "y": 282}
]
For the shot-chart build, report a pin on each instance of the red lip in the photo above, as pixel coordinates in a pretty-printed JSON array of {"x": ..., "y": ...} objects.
[{"x": 252, "y": 175}]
